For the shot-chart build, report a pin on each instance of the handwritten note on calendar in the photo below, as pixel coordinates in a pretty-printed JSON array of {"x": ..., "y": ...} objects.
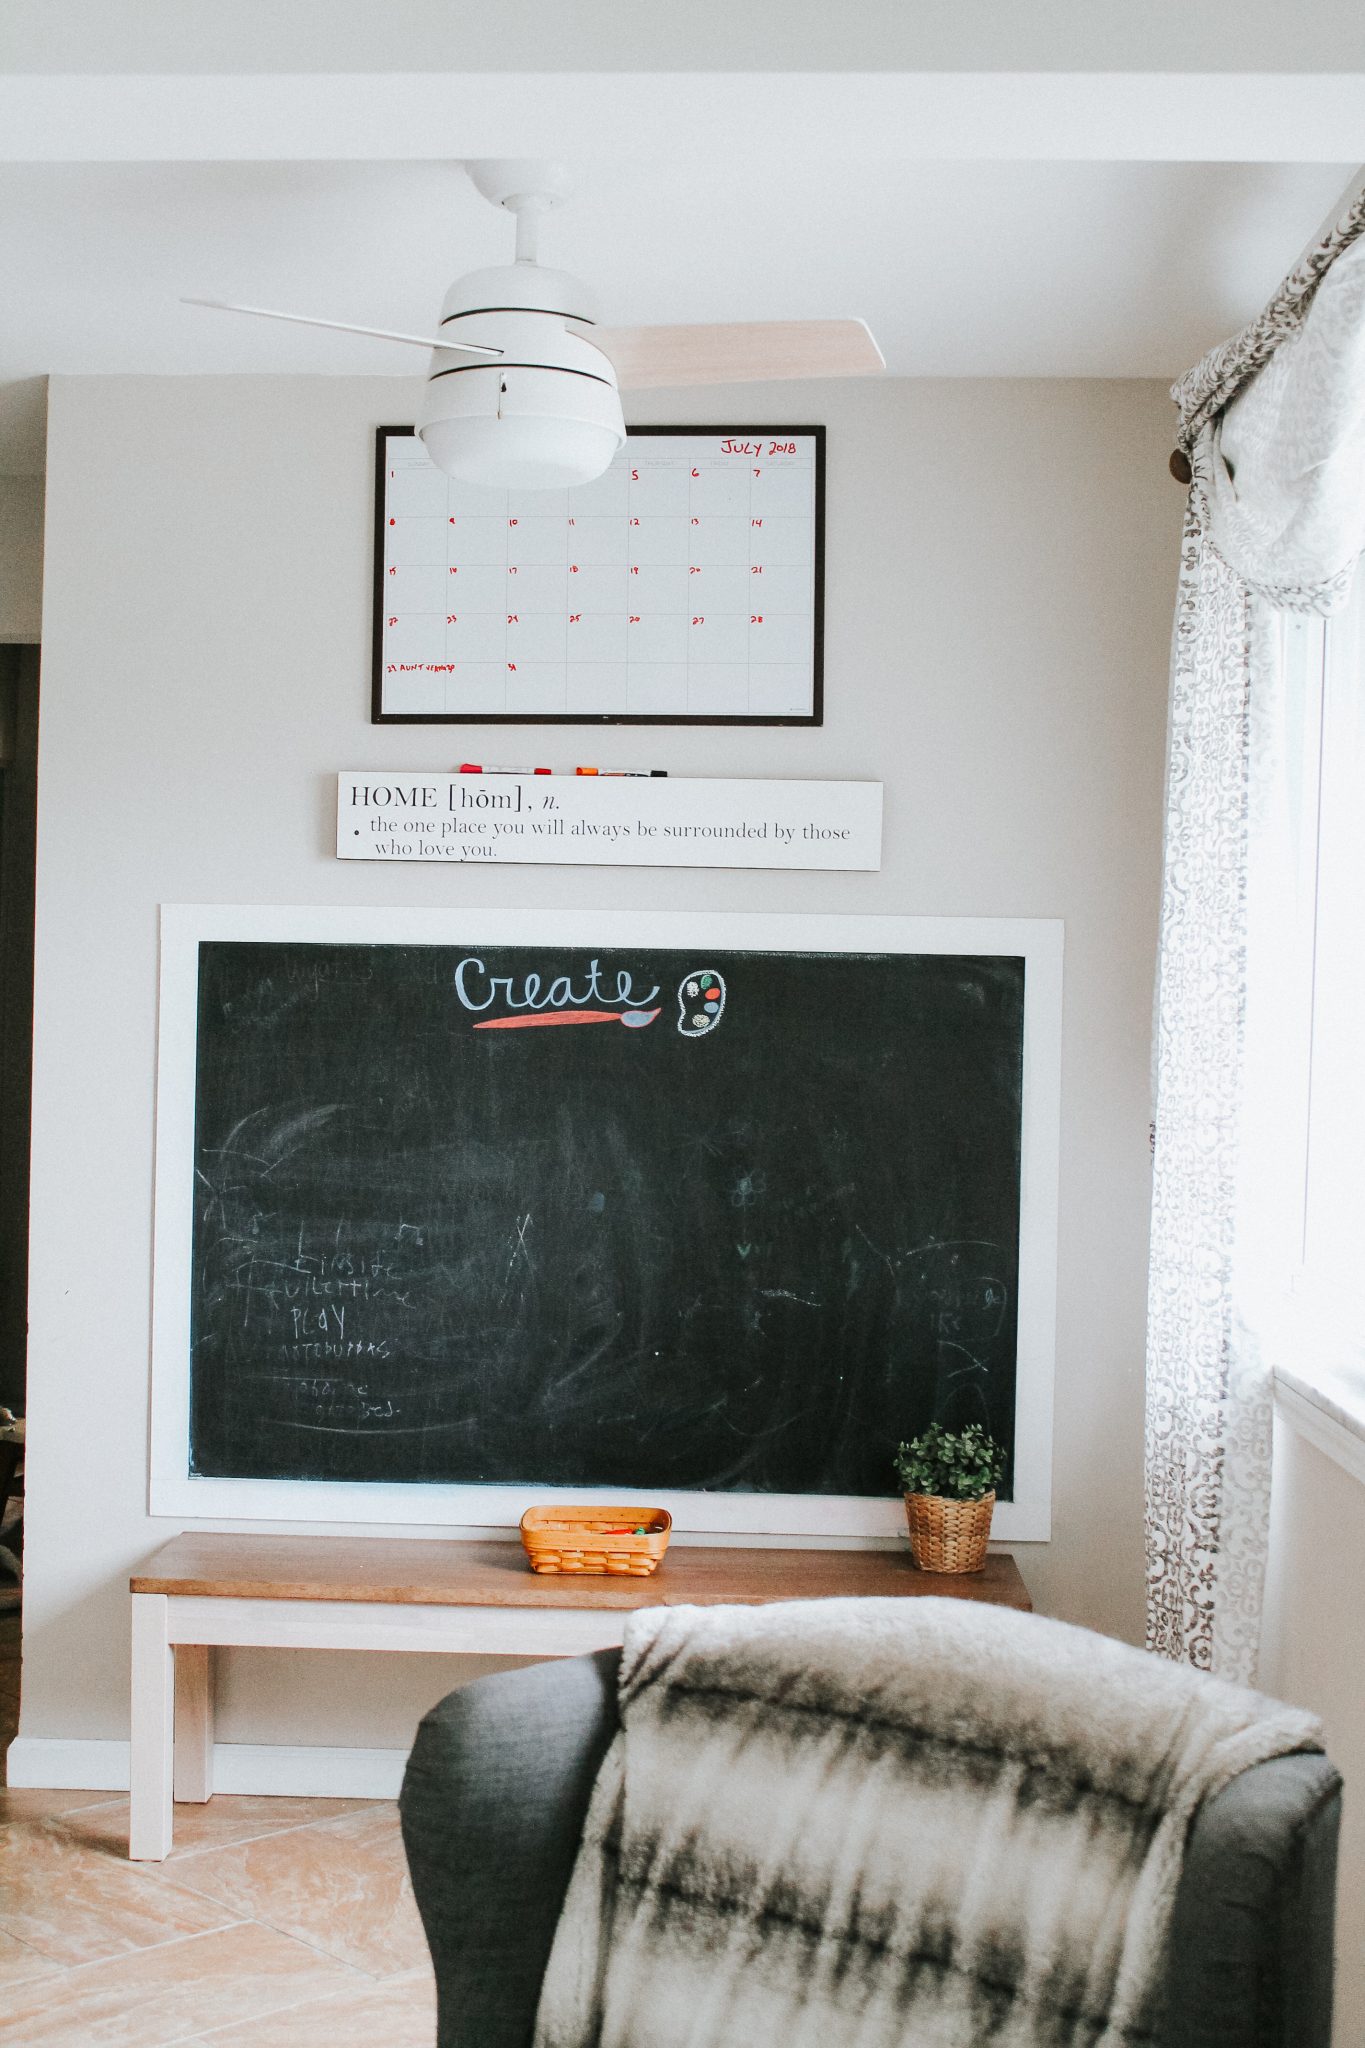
[{"x": 685, "y": 586}]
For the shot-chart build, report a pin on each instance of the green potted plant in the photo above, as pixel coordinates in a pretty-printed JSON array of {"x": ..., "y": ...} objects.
[{"x": 949, "y": 1477}]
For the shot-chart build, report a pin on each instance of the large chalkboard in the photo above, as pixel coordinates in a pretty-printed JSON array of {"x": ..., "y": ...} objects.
[{"x": 592, "y": 1216}]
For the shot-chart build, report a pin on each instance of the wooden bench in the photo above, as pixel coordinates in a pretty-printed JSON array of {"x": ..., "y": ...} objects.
[{"x": 480, "y": 1598}]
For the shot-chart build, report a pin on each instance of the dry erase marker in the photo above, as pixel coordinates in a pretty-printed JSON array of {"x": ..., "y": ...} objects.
[{"x": 585, "y": 771}]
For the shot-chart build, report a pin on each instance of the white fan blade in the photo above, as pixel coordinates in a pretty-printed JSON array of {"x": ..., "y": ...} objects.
[
  {"x": 468, "y": 348},
  {"x": 747, "y": 352}
]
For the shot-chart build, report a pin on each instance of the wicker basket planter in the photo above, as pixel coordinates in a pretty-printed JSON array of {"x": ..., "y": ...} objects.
[
  {"x": 594, "y": 1540},
  {"x": 949, "y": 1535}
]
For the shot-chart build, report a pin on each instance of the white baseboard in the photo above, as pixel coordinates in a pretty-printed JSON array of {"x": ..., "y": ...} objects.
[
  {"x": 34, "y": 1760},
  {"x": 56, "y": 1764}
]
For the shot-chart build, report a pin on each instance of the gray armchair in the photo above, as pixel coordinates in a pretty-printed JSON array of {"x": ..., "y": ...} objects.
[{"x": 498, "y": 1785}]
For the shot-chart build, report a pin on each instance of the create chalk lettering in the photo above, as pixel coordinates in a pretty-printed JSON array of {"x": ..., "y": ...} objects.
[{"x": 471, "y": 977}]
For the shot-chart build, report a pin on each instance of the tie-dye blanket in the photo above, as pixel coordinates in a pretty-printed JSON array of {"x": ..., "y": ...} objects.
[{"x": 878, "y": 1823}]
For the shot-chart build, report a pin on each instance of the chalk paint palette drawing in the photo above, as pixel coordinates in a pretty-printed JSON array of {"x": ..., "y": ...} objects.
[{"x": 701, "y": 1002}]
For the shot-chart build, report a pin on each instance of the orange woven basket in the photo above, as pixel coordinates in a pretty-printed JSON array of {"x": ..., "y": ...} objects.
[
  {"x": 596, "y": 1539},
  {"x": 949, "y": 1535}
]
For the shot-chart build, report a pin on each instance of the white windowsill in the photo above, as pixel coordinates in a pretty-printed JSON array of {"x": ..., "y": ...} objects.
[{"x": 1329, "y": 1411}]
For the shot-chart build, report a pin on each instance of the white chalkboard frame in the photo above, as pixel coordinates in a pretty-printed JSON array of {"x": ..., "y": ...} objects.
[{"x": 479, "y": 1510}]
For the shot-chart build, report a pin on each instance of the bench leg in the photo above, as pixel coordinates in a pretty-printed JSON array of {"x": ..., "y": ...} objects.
[
  {"x": 153, "y": 1730},
  {"x": 193, "y": 1722}
]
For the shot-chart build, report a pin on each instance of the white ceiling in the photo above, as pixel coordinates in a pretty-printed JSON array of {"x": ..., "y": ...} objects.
[{"x": 962, "y": 269}]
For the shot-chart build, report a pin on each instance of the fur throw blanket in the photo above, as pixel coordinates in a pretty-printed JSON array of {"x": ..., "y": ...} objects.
[{"x": 877, "y": 1823}]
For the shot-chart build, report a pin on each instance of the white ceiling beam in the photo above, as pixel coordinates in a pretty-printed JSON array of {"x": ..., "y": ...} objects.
[
  {"x": 190, "y": 36},
  {"x": 927, "y": 117}
]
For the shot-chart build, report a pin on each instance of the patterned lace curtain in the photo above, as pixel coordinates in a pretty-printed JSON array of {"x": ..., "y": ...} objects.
[{"x": 1273, "y": 426}]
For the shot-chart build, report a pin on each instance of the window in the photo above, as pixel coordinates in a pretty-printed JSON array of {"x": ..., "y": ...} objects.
[
  {"x": 1334, "y": 1207},
  {"x": 1321, "y": 1029}
]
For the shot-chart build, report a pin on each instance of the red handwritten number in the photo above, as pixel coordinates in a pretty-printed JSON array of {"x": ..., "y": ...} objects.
[
  {"x": 755, "y": 522},
  {"x": 452, "y": 519},
  {"x": 574, "y": 618},
  {"x": 635, "y": 522},
  {"x": 393, "y": 620},
  {"x": 699, "y": 619},
  {"x": 696, "y": 522},
  {"x": 573, "y": 522},
  {"x": 514, "y": 618},
  {"x": 512, "y": 668},
  {"x": 758, "y": 472},
  {"x": 756, "y": 569},
  {"x": 635, "y": 476},
  {"x": 513, "y": 522},
  {"x": 694, "y": 572},
  {"x": 512, "y": 570},
  {"x": 635, "y": 570},
  {"x": 452, "y": 618},
  {"x": 755, "y": 618},
  {"x": 696, "y": 472},
  {"x": 393, "y": 522},
  {"x": 634, "y": 618},
  {"x": 394, "y": 572},
  {"x": 573, "y": 568},
  {"x": 454, "y": 572}
]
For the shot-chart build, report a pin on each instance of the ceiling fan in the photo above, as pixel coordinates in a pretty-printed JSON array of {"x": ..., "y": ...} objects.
[{"x": 523, "y": 389}]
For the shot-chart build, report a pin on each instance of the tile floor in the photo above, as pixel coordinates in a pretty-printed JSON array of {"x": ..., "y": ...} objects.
[{"x": 274, "y": 1923}]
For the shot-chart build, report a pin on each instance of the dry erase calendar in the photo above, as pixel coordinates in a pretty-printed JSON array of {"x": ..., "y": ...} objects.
[{"x": 685, "y": 586}]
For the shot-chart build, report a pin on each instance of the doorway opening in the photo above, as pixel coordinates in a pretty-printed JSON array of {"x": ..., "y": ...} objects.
[{"x": 18, "y": 819}]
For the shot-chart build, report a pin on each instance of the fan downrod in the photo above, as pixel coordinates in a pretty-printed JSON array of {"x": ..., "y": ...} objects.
[{"x": 528, "y": 187}]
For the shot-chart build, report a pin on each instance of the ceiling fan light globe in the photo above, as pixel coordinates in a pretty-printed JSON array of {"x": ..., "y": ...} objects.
[
  {"x": 546, "y": 416},
  {"x": 522, "y": 454}
]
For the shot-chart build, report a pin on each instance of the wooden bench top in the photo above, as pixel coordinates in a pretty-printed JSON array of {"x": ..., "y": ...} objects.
[{"x": 462, "y": 1573}]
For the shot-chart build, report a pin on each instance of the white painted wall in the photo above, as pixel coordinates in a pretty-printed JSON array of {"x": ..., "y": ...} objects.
[
  {"x": 1313, "y": 1652},
  {"x": 206, "y": 672},
  {"x": 21, "y": 557}
]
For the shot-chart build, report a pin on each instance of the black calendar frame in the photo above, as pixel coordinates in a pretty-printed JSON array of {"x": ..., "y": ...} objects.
[{"x": 816, "y": 716}]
